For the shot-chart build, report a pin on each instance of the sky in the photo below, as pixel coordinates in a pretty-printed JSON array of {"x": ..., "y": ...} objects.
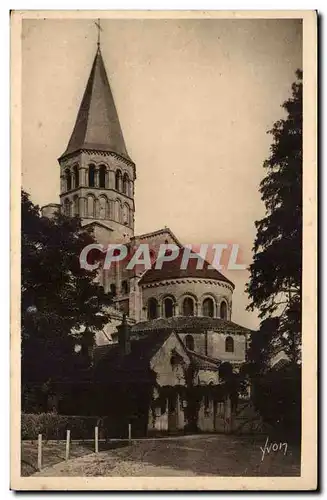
[{"x": 195, "y": 98}]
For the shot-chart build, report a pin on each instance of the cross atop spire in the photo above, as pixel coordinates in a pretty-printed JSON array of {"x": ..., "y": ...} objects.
[{"x": 98, "y": 25}]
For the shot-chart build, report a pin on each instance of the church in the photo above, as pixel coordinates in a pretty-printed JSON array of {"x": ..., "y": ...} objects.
[{"x": 171, "y": 329}]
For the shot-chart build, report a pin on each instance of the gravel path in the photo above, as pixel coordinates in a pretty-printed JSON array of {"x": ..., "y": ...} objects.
[
  {"x": 215, "y": 455},
  {"x": 102, "y": 464}
]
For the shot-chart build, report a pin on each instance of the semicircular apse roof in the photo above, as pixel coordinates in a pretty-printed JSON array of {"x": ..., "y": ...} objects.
[{"x": 172, "y": 270}]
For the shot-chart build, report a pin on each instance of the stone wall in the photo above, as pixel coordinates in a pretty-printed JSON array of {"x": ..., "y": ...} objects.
[
  {"x": 109, "y": 204},
  {"x": 168, "y": 375}
]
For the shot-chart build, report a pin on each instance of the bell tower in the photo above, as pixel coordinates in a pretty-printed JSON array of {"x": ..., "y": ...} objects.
[{"x": 96, "y": 173}]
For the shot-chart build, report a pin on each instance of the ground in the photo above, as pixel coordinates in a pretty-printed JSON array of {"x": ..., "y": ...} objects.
[
  {"x": 201, "y": 455},
  {"x": 53, "y": 452}
]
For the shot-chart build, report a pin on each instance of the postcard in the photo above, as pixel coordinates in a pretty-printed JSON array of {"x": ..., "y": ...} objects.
[{"x": 163, "y": 252}]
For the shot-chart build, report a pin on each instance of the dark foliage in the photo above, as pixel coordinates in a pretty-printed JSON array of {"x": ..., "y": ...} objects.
[
  {"x": 61, "y": 304},
  {"x": 276, "y": 272},
  {"x": 277, "y": 397},
  {"x": 275, "y": 286},
  {"x": 54, "y": 426}
]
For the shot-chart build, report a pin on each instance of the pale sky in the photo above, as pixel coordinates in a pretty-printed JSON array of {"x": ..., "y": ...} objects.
[{"x": 195, "y": 99}]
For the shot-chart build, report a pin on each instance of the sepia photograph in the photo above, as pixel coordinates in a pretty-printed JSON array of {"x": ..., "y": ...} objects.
[{"x": 163, "y": 289}]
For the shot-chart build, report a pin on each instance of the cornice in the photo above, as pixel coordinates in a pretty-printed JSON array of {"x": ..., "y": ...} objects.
[
  {"x": 106, "y": 190},
  {"x": 179, "y": 281},
  {"x": 100, "y": 153}
]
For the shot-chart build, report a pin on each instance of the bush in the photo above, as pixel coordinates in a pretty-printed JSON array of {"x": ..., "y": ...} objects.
[
  {"x": 54, "y": 426},
  {"x": 30, "y": 426},
  {"x": 277, "y": 397}
]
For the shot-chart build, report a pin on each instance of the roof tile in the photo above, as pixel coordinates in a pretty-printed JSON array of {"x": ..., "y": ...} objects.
[
  {"x": 187, "y": 323},
  {"x": 172, "y": 270}
]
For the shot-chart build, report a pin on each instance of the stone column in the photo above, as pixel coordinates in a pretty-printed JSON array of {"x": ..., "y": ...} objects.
[
  {"x": 180, "y": 412},
  {"x": 111, "y": 179},
  {"x": 62, "y": 184},
  {"x": 82, "y": 176},
  {"x": 96, "y": 177},
  {"x": 166, "y": 415},
  {"x": 117, "y": 277},
  {"x": 228, "y": 415},
  {"x": 144, "y": 314},
  {"x": 82, "y": 212},
  {"x": 96, "y": 208}
]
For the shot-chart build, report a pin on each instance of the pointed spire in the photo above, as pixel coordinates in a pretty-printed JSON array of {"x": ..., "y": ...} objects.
[{"x": 97, "y": 125}]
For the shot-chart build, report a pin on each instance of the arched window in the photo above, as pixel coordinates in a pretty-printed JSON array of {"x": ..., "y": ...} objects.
[
  {"x": 130, "y": 217},
  {"x": 223, "y": 310},
  {"x": 118, "y": 180},
  {"x": 103, "y": 207},
  {"x": 152, "y": 308},
  {"x": 229, "y": 344},
  {"x": 91, "y": 175},
  {"x": 113, "y": 289},
  {"x": 68, "y": 180},
  {"x": 125, "y": 214},
  {"x": 189, "y": 342},
  {"x": 168, "y": 307},
  {"x": 76, "y": 176},
  {"x": 208, "y": 307},
  {"x": 125, "y": 184},
  {"x": 188, "y": 307},
  {"x": 76, "y": 206},
  {"x": 102, "y": 176},
  {"x": 125, "y": 287},
  {"x": 118, "y": 211},
  {"x": 90, "y": 206},
  {"x": 67, "y": 207},
  {"x": 110, "y": 209}
]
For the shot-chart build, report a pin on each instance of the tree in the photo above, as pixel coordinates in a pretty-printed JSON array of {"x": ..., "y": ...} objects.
[
  {"x": 276, "y": 271},
  {"x": 62, "y": 305}
]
